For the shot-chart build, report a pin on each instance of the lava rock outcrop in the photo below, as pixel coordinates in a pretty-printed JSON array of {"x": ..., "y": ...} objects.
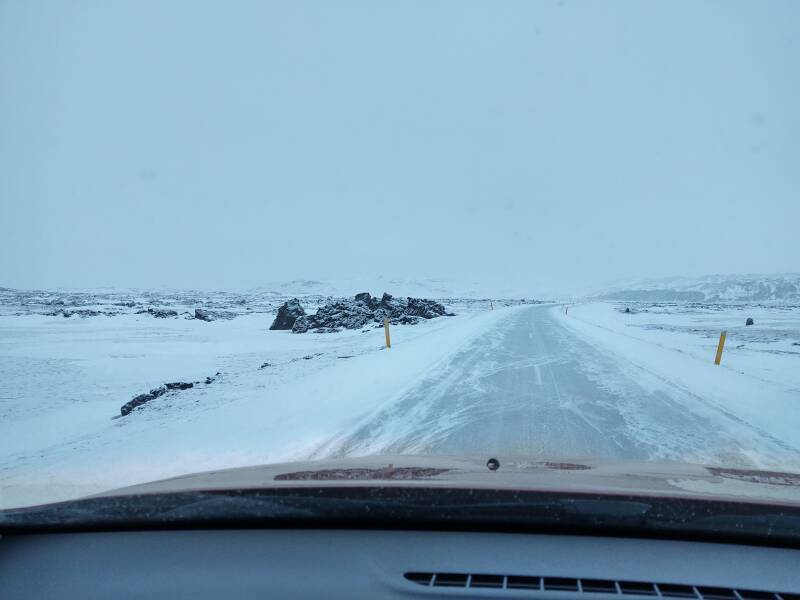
[{"x": 365, "y": 310}]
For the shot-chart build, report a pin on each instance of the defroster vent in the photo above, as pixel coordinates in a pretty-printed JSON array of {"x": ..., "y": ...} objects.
[{"x": 590, "y": 586}]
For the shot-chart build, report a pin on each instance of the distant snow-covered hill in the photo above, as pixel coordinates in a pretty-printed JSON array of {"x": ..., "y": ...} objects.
[
  {"x": 709, "y": 288},
  {"x": 423, "y": 288},
  {"x": 267, "y": 296}
]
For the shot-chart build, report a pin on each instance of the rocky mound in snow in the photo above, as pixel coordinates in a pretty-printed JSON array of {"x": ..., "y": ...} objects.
[
  {"x": 159, "y": 304},
  {"x": 176, "y": 386},
  {"x": 288, "y": 314},
  {"x": 81, "y": 312},
  {"x": 202, "y": 314},
  {"x": 159, "y": 313},
  {"x": 363, "y": 310}
]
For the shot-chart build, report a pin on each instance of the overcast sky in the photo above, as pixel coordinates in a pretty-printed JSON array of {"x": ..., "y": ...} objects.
[{"x": 227, "y": 144}]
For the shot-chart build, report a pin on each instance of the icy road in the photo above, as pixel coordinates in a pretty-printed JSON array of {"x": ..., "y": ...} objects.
[{"x": 532, "y": 387}]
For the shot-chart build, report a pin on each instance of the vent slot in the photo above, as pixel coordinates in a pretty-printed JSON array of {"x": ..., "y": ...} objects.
[
  {"x": 637, "y": 588},
  {"x": 755, "y": 595},
  {"x": 450, "y": 579},
  {"x": 590, "y": 586},
  {"x": 671, "y": 590},
  {"x": 598, "y": 586},
  {"x": 561, "y": 584},
  {"x": 518, "y": 582},
  {"x": 716, "y": 593},
  {"x": 486, "y": 581},
  {"x": 420, "y": 578}
]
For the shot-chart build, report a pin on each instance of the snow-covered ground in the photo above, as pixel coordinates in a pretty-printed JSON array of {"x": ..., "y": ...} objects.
[
  {"x": 758, "y": 380},
  {"x": 767, "y": 351},
  {"x": 64, "y": 379},
  {"x": 521, "y": 379}
]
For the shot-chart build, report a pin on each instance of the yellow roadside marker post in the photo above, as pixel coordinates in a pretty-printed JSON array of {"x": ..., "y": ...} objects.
[
  {"x": 721, "y": 345},
  {"x": 386, "y": 331}
]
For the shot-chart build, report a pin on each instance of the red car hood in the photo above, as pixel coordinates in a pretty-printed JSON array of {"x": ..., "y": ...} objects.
[{"x": 614, "y": 478}]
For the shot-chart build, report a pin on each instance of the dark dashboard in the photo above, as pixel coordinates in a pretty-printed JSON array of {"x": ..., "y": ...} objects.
[{"x": 283, "y": 563}]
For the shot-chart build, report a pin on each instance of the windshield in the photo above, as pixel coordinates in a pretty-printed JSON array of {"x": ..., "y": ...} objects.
[{"x": 560, "y": 232}]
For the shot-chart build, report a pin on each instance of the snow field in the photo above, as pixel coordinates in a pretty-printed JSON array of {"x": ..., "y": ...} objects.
[
  {"x": 70, "y": 376},
  {"x": 758, "y": 381}
]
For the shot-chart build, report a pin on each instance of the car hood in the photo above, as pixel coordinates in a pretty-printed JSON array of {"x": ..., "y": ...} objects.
[{"x": 514, "y": 473}]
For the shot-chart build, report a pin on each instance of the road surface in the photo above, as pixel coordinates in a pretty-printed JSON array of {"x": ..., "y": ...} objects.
[{"x": 531, "y": 388}]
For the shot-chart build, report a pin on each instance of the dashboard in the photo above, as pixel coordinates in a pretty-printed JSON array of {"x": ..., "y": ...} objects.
[{"x": 307, "y": 563}]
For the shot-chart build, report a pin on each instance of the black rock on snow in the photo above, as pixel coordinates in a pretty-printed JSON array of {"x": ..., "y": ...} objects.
[
  {"x": 427, "y": 309},
  {"x": 179, "y": 385},
  {"x": 212, "y": 315},
  {"x": 81, "y": 312},
  {"x": 287, "y": 315},
  {"x": 365, "y": 310},
  {"x": 159, "y": 313},
  {"x": 142, "y": 399},
  {"x": 176, "y": 386}
]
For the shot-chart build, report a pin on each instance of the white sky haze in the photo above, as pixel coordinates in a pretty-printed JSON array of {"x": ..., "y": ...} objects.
[{"x": 211, "y": 145}]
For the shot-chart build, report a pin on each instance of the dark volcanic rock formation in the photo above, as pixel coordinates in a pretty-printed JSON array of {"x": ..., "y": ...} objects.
[
  {"x": 212, "y": 315},
  {"x": 81, "y": 312},
  {"x": 159, "y": 313},
  {"x": 179, "y": 385},
  {"x": 427, "y": 309},
  {"x": 176, "y": 386},
  {"x": 288, "y": 314},
  {"x": 365, "y": 310},
  {"x": 142, "y": 399}
]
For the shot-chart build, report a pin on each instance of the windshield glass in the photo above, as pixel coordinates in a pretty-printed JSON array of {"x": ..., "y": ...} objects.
[{"x": 560, "y": 232}]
